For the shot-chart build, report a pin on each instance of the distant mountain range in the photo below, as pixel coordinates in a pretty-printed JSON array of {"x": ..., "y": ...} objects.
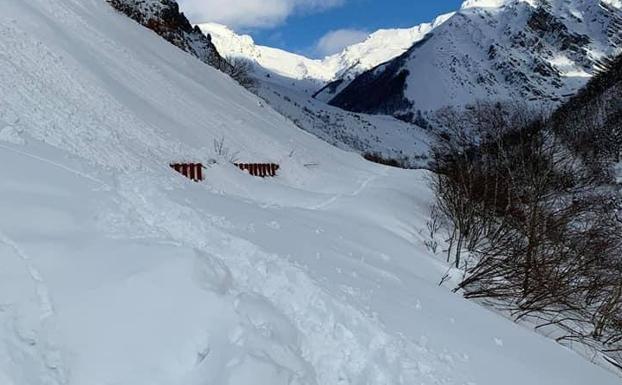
[{"x": 535, "y": 51}]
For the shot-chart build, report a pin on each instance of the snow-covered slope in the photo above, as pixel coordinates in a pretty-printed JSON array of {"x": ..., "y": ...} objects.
[
  {"x": 380, "y": 47},
  {"x": 116, "y": 270},
  {"x": 527, "y": 50}
]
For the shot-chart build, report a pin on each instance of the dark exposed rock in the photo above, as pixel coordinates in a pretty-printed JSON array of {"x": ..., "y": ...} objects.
[
  {"x": 164, "y": 18},
  {"x": 548, "y": 26}
]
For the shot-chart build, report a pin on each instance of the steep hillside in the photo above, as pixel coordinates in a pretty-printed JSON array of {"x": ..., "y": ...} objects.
[
  {"x": 269, "y": 61},
  {"x": 391, "y": 138},
  {"x": 117, "y": 270},
  {"x": 591, "y": 121},
  {"x": 533, "y": 51},
  {"x": 380, "y": 47}
]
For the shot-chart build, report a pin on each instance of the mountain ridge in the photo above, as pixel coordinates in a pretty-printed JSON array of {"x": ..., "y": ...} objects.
[
  {"x": 380, "y": 46},
  {"x": 535, "y": 51}
]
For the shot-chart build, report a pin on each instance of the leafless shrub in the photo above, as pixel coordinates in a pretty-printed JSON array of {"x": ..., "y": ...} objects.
[
  {"x": 543, "y": 233},
  {"x": 377, "y": 157},
  {"x": 240, "y": 70},
  {"x": 433, "y": 226},
  {"x": 224, "y": 152}
]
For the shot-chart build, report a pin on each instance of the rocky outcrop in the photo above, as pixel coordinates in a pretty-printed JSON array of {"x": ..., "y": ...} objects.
[{"x": 164, "y": 18}]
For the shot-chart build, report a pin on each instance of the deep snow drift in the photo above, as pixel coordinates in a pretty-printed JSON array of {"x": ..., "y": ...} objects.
[{"x": 116, "y": 270}]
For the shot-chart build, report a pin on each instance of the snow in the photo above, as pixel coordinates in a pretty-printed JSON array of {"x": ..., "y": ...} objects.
[
  {"x": 484, "y": 3},
  {"x": 277, "y": 61},
  {"x": 117, "y": 270},
  {"x": 380, "y": 47}
]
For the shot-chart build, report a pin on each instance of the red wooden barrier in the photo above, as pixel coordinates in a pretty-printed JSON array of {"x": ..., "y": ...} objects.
[
  {"x": 192, "y": 171},
  {"x": 259, "y": 169}
]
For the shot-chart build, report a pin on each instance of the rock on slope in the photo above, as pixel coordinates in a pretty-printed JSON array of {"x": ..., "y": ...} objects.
[
  {"x": 527, "y": 50},
  {"x": 164, "y": 18},
  {"x": 116, "y": 270}
]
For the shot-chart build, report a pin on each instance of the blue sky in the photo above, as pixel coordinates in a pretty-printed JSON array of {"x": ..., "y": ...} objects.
[
  {"x": 300, "y": 25},
  {"x": 301, "y": 32}
]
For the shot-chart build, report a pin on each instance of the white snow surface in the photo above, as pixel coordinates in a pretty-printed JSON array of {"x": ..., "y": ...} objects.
[{"x": 116, "y": 270}]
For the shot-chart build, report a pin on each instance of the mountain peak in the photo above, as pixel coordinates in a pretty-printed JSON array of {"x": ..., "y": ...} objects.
[
  {"x": 489, "y": 3},
  {"x": 379, "y": 47}
]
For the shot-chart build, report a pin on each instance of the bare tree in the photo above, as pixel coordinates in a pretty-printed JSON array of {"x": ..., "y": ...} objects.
[
  {"x": 241, "y": 70},
  {"x": 541, "y": 232}
]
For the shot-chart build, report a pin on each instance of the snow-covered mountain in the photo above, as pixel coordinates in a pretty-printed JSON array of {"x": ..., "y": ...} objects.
[
  {"x": 283, "y": 63},
  {"x": 378, "y": 48},
  {"x": 117, "y": 270},
  {"x": 288, "y": 81},
  {"x": 535, "y": 51},
  {"x": 287, "y": 87}
]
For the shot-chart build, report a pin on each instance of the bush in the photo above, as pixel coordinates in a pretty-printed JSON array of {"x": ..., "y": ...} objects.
[
  {"x": 541, "y": 235},
  {"x": 241, "y": 71},
  {"x": 377, "y": 157}
]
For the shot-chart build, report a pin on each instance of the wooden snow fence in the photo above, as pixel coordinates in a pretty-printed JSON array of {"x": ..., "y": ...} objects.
[
  {"x": 193, "y": 171},
  {"x": 259, "y": 169}
]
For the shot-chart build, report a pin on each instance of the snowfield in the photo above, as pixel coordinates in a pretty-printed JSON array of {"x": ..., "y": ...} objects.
[{"x": 116, "y": 270}]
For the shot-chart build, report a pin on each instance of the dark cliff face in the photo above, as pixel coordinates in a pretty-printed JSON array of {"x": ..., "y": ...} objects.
[
  {"x": 380, "y": 92},
  {"x": 164, "y": 18}
]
